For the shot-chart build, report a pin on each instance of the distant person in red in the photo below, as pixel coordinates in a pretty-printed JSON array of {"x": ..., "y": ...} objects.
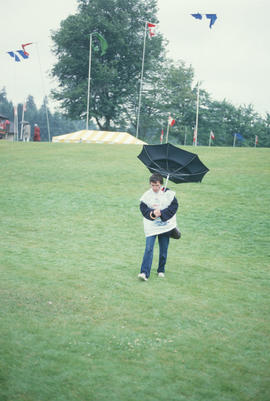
[
  {"x": 7, "y": 123},
  {"x": 4, "y": 126},
  {"x": 36, "y": 133}
]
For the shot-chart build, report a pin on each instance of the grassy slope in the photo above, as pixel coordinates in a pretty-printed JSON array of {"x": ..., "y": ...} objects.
[{"x": 75, "y": 322}]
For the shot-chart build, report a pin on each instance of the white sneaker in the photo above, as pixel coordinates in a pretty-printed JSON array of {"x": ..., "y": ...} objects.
[
  {"x": 161, "y": 275},
  {"x": 142, "y": 277}
]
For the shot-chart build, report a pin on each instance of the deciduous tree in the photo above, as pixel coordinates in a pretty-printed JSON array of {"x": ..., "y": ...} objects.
[{"x": 115, "y": 75}]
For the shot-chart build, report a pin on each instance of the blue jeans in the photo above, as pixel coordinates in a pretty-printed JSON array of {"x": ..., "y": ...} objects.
[{"x": 163, "y": 241}]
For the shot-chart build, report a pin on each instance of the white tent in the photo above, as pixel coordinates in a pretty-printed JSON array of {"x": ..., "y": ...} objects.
[{"x": 90, "y": 136}]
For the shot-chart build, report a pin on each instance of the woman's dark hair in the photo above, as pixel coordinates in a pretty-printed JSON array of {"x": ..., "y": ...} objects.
[{"x": 155, "y": 178}]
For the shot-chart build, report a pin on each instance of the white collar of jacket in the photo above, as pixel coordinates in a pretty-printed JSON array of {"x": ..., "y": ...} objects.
[{"x": 161, "y": 199}]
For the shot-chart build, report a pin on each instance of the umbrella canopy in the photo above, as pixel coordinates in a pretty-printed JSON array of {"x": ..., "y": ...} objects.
[{"x": 173, "y": 163}]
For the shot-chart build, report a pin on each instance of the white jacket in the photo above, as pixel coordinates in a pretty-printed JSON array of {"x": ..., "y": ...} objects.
[{"x": 158, "y": 200}]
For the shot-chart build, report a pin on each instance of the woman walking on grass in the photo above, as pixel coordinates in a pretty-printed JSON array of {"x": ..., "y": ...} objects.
[{"x": 158, "y": 207}]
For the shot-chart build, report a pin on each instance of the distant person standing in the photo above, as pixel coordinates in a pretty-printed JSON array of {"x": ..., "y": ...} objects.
[
  {"x": 36, "y": 133},
  {"x": 26, "y": 132}
]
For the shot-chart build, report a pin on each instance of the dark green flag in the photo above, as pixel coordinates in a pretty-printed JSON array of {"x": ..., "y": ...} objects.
[{"x": 103, "y": 42}]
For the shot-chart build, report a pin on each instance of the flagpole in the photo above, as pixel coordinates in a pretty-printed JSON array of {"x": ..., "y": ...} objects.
[
  {"x": 22, "y": 123},
  {"x": 197, "y": 116},
  {"x": 21, "y": 136},
  {"x": 16, "y": 136},
  {"x": 89, "y": 78},
  {"x": 234, "y": 139},
  {"x": 161, "y": 136},
  {"x": 44, "y": 93},
  {"x": 141, "y": 83},
  {"x": 168, "y": 127},
  {"x": 15, "y": 109},
  {"x": 210, "y": 139}
]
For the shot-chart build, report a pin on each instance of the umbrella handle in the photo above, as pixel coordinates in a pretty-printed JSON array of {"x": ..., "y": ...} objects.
[{"x": 167, "y": 179}]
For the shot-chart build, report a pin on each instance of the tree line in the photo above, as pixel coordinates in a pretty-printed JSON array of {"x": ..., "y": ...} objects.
[{"x": 168, "y": 86}]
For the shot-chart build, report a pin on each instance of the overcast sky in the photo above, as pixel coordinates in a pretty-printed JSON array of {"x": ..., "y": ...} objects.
[{"x": 231, "y": 60}]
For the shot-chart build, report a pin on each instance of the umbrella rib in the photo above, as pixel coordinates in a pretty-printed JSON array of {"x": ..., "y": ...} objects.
[
  {"x": 193, "y": 174},
  {"x": 152, "y": 160},
  {"x": 180, "y": 168}
]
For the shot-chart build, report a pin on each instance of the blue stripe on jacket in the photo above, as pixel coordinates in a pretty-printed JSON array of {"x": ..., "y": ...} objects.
[{"x": 166, "y": 214}]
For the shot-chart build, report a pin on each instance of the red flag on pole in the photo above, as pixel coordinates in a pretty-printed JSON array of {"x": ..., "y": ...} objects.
[
  {"x": 24, "y": 45},
  {"x": 211, "y": 137},
  {"x": 171, "y": 121},
  {"x": 195, "y": 135},
  {"x": 161, "y": 136},
  {"x": 152, "y": 29}
]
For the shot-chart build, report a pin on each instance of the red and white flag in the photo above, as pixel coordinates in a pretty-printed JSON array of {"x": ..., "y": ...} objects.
[
  {"x": 195, "y": 135},
  {"x": 151, "y": 29},
  {"x": 256, "y": 139},
  {"x": 24, "y": 45},
  {"x": 171, "y": 121},
  {"x": 161, "y": 136},
  {"x": 211, "y": 137}
]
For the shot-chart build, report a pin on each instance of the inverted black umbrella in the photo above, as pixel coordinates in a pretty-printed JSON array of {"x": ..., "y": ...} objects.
[{"x": 173, "y": 163}]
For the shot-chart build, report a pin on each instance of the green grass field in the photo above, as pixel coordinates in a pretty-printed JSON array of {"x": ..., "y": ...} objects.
[{"x": 77, "y": 325}]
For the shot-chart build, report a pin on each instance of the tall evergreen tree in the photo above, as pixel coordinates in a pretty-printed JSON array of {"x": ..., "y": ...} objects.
[{"x": 6, "y": 107}]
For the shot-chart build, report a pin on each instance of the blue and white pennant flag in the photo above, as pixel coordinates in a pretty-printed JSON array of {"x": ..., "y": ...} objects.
[
  {"x": 212, "y": 17},
  {"x": 22, "y": 53}
]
